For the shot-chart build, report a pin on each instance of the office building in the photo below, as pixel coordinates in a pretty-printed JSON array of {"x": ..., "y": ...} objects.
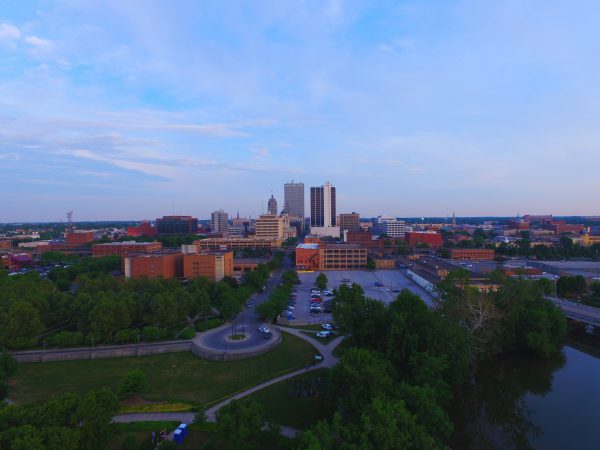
[
  {"x": 232, "y": 243},
  {"x": 269, "y": 226},
  {"x": 349, "y": 222},
  {"x": 212, "y": 265},
  {"x": 177, "y": 225},
  {"x": 293, "y": 200},
  {"x": 322, "y": 211},
  {"x": 122, "y": 248},
  {"x": 428, "y": 238},
  {"x": 164, "y": 264},
  {"x": 272, "y": 206},
  {"x": 316, "y": 255},
  {"x": 219, "y": 222},
  {"x": 391, "y": 227}
]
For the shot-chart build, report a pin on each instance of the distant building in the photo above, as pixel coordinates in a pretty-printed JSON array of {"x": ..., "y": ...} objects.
[
  {"x": 5, "y": 244},
  {"x": 272, "y": 206},
  {"x": 293, "y": 200},
  {"x": 322, "y": 256},
  {"x": 269, "y": 226},
  {"x": 219, "y": 222},
  {"x": 349, "y": 222},
  {"x": 391, "y": 226},
  {"x": 588, "y": 240},
  {"x": 143, "y": 229},
  {"x": 414, "y": 238},
  {"x": 323, "y": 211},
  {"x": 231, "y": 243},
  {"x": 212, "y": 265},
  {"x": 177, "y": 225},
  {"x": 122, "y": 248},
  {"x": 164, "y": 264},
  {"x": 363, "y": 238},
  {"x": 82, "y": 237},
  {"x": 472, "y": 253}
]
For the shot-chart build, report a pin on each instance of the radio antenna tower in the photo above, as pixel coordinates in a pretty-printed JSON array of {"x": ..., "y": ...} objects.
[{"x": 70, "y": 221}]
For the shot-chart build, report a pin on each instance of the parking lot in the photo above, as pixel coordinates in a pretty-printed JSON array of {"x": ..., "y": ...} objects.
[{"x": 387, "y": 282}]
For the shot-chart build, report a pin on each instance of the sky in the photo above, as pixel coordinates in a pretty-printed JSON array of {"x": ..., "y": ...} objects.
[{"x": 136, "y": 109}]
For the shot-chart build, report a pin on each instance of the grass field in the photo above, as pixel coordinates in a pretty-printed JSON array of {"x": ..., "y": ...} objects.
[
  {"x": 204, "y": 437},
  {"x": 313, "y": 335},
  {"x": 283, "y": 406},
  {"x": 172, "y": 377}
]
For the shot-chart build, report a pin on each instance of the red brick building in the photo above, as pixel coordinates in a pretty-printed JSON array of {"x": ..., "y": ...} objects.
[
  {"x": 363, "y": 238},
  {"x": 163, "y": 264},
  {"x": 414, "y": 238},
  {"x": 122, "y": 248},
  {"x": 80, "y": 237},
  {"x": 212, "y": 265},
  {"x": 472, "y": 253},
  {"x": 143, "y": 229}
]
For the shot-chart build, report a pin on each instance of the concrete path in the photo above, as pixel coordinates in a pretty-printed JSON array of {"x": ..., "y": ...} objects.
[
  {"x": 326, "y": 351},
  {"x": 329, "y": 360}
]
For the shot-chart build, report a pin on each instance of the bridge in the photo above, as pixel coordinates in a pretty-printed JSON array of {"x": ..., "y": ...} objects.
[{"x": 581, "y": 313}]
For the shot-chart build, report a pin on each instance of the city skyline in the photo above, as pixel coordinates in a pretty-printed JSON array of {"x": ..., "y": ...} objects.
[{"x": 131, "y": 111}]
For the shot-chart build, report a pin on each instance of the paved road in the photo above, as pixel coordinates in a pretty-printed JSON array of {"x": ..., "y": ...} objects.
[
  {"x": 246, "y": 323},
  {"x": 577, "y": 311}
]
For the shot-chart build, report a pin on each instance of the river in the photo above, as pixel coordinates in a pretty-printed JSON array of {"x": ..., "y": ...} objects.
[{"x": 526, "y": 403}]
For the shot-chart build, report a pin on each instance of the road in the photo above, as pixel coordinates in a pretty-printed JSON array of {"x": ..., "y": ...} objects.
[
  {"x": 247, "y": 322},
  {"x": 581, "y": 313}
]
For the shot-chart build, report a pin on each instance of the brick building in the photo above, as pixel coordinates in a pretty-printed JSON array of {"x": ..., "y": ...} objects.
[
  {"x": 81, "y": 237},
  {"x": 212, "y": 265},
  {"x": 321, "y": 256},
  {"x": 143, "y": 229},
  {"x": 233, "y": 243},
  {"x": 472, "y": 253},
  {"x": 414, "y": 238},
  {"x": 122, "y": 248},
  {"x": 349, "y": 222},
  {"x": 165, "y": 264},
  {"x": 363, "y": 238}
]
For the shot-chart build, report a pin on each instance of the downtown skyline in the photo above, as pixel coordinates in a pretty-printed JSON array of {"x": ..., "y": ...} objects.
[{"x": 125, "y": 110}]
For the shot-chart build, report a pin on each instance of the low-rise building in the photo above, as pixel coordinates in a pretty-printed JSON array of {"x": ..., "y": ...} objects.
[
  {"x": 472, "y": 253},
  {"x": 143, "y": 229},
  {"x": 233, "y": 243},
  {"x": 322, "y": 256},
  {"x": 165, "y": 264},
  {"x": 429, "y": 238},
  {"x": 122, "y": 248},
  {"x": 587, "y": 240},
  {"x": 212, "y": 265}
]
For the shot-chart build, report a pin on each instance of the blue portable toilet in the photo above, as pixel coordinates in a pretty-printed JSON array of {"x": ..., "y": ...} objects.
[
  {"x": 184, "y": 429},
  {"x": 178, "y": 436}
]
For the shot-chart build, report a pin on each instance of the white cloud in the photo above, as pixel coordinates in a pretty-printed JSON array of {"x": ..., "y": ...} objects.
[
  {"x": 9, "y": 33},
  {"x": 39, "y": 43},
  {"x": 260, "y": 153}
]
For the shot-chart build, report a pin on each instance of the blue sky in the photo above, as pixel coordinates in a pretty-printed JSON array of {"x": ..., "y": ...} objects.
[{"x": 134, "y": 109}]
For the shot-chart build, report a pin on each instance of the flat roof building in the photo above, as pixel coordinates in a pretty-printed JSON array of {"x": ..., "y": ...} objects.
[
  {"x": 122, "y": 248},
  {"x": 349, "y": 222},
  {"x": 177, "y": 225},
  {"x": 212, "y": 265},
  {"x": 164, "y": 264}
]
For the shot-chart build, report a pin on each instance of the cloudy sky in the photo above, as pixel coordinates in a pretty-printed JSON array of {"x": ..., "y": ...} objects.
[{"x": 134, "y": 109}]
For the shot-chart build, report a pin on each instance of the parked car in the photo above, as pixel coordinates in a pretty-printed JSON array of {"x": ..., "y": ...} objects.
[
  {"x": 323, "y": 334},
  {"x": 346, "y": 280},
  {"x": 327, "y": 326},
  {"x": 267, "y": 335},
  {"x": 264, "y": 329},
  {"x": 384, "y": 289},
  {"x": 378, "y": 283}
]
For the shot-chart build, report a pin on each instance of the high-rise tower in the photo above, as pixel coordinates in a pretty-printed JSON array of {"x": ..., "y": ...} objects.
[
  {"x": 293, "y": 199},
  {"x": 219, "y": 222},
  {"x": 322, "y": 206}
]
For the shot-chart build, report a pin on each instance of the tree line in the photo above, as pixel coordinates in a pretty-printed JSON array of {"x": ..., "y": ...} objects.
[
  {"x": 83, "y": 304},
  {"x": 405, "y": 363}
]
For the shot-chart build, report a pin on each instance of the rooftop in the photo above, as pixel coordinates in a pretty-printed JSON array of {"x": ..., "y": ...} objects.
[{"x": 309, "y": 246}]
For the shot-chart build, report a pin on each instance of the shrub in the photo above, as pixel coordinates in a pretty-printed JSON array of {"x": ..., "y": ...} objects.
[{"x": 134, "y": 383}]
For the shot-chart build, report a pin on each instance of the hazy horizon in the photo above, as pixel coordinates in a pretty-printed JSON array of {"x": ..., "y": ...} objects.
[{"x": 113, "y": 109}]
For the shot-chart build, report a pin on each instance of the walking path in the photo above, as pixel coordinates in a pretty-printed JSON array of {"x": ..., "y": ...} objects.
[{"x": 329, "y": 361}]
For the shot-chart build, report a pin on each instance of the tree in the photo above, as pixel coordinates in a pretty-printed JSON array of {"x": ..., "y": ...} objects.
[
  {"x": 134, "y": 383},
  {"x": 240, "y": 423},
  {"x": 95, "y": 412},
  {"x": 109, "y": 316},
  {"x": 8, "y": 364},
  {"x": 322, "y": 281}
]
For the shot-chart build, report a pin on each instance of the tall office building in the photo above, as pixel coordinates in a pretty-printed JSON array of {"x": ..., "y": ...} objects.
[
  {"x": 272, "y": 206},
  {"x": 219, "y": 222},
  {"x": 293, "y": 199},
  {"x": 322, "y": 211},
  {"x": 391, "y": 226},
  {"x": 322, "y": 206}
]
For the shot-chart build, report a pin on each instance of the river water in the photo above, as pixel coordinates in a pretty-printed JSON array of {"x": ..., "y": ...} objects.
[{"x": 525, "y": 403}]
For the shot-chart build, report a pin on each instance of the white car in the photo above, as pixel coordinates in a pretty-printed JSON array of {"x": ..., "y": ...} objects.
[
  {"x": 323, "y": 334},
  {"x": 327, "y": 326},
  {"x": 384, "y": 289},
  {"x": 264, "y": 330}
]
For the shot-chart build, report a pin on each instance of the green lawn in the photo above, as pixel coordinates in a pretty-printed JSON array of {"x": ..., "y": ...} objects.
[
  {"x": 326, "y": 340},
  {"x": 285, "y": 404},
  {"x": 142, "y": 432},
  {"x": 204, "y": 437},
  {"x": 172, "y": 377}
]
